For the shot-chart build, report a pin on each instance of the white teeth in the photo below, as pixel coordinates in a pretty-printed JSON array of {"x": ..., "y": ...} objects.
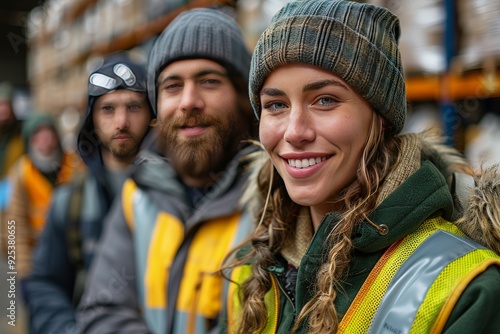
[{"x": 303, "y": 163}]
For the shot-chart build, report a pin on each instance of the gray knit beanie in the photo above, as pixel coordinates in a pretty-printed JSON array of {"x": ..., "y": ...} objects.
[
  {"x": 199, "y": 33},
  {"x": 357, "y": 42}
]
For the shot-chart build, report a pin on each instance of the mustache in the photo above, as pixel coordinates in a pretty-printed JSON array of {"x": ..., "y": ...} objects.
[
  {"x": 191, "y": 119},
  {"x": 121, "y": 133}
]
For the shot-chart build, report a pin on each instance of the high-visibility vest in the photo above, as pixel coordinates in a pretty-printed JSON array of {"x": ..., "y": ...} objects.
[
  {"x": 157, "y": 241},
  {"x": 413, "y": 288}
]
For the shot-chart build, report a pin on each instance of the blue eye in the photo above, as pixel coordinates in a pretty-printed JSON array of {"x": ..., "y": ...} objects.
[
  {"x": 274, "y": 106},
  {"x": 326, "y": 101}
]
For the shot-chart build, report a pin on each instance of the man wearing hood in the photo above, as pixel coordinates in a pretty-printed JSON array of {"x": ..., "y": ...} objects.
[
  {"x": 32, "y": 180},
  {"x": 116, "y": 121},
  {"x": 180, "y": 212}
]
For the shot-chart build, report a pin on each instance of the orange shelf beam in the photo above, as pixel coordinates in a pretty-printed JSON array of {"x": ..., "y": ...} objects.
[
  {"x": 476, "y": 85},
  {"x": 473, "y": 85},
  {"x": 422, "y": 88}
]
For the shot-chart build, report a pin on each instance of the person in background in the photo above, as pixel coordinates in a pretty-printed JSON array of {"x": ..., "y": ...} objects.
[
  {"x": 11, "y": 149},
  {"x": 361, "y": 229},
  {"x": 11, "y": 143},
  {"x": 32, "y": 180},
  {"x": 179, "y": 212},
  {"x": 117, "y": 119}
]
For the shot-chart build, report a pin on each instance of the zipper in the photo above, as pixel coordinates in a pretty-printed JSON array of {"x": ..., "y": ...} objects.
[{"x": 278, "y": 271}]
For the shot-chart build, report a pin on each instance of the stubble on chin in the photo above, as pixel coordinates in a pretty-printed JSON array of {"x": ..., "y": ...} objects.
[{"x": 122, "y": 151}]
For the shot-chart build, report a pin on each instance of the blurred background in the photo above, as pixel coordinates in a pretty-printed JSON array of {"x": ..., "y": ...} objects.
[{"x": 450, "y": 50}]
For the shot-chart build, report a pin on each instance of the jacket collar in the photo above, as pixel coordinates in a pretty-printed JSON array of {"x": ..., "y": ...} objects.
[{"x": 423, "y": 195}]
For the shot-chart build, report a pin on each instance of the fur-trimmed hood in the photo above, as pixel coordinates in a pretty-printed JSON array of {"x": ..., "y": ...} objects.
[{"x": 476, "y": 196}]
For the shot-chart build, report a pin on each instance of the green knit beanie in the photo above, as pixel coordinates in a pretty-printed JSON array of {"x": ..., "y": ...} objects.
[
  {"x": 35, "y": 120},
  {"x": 357, "y": 42}
]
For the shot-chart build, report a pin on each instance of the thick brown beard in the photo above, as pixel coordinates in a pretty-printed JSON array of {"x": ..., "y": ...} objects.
[{"x": 204, "y": 156}]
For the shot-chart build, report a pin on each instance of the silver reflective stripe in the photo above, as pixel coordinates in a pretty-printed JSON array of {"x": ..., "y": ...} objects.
[
  {"x": 145, "y": 215},
  {"x": 408, "y": 288}
]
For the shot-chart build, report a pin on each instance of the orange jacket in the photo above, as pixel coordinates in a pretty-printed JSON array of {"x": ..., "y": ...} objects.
[{"x": 30, "y": 202}]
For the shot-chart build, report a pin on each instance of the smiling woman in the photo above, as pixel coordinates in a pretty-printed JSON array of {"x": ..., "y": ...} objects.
[
  {"x": 316, "y": 127},
  {"x": 361, "y": 229}
]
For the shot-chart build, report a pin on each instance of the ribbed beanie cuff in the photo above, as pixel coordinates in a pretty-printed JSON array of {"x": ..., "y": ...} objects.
[
  {"x": 199, "y": 33},
  {"x": 357, "y": 42}
]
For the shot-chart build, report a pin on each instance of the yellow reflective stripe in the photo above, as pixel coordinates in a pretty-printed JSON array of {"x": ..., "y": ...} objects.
[
  {"x": 167, "y": 236},
  {"x": 272, "y": 301},
  {"x": 366, "y": 288},
  {"x": 361, "y": 318},
  {"x": 463, "y": 272},
  {"x": 234, "y": 309},
  {"x": 201, "y": 288},
  {"x": 128, "y": 189}
]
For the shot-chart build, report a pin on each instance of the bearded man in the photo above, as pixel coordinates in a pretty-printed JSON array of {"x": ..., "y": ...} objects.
[{"x": 180, "y": 212}]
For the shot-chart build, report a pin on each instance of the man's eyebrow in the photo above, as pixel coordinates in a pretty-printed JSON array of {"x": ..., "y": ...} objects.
[
  {"x": 323, "y": 83},
  {"x": 104, "y": 102},
  {"x": 210, "y": 71},
  {"x": 136, "y": 100},
  {"x": 197, "y": 75},
  {"x": 170, "y": 77}
]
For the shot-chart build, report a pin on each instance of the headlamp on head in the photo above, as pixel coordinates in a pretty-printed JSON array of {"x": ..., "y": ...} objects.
[{"x": 113, "y": 75}]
